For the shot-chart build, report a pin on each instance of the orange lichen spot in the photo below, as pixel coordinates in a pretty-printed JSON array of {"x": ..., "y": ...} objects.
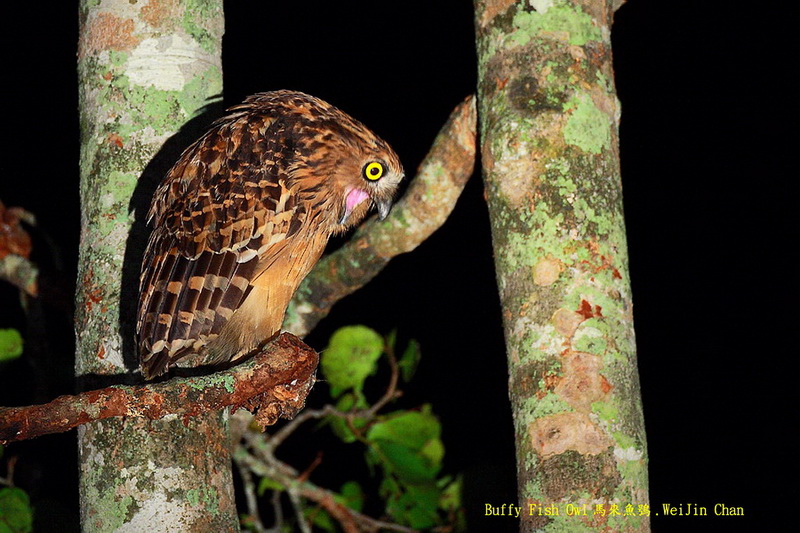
[
  {"x": 107, "y": 32},
  {"x": 115, "y": 139},
  {"x": 95, "y": 295},
  {"x": 159, "y": 13},
  {"x": 605, "y": 386},
  {"x": 585, "y": 310}
]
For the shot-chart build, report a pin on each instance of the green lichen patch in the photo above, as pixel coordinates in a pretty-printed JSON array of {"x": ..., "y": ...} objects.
[
  {"x": 195, "y": 20},
  {"x": 559, "y": 21},
  {"x": 587, "y": 127},
  {"x": 196, "y": 91},
  {"x": 534, "y": 408},
  {"x": 591, "y": 337},
  {"x": 206, "y": 497},
  {"x": 214, "y": 380}
]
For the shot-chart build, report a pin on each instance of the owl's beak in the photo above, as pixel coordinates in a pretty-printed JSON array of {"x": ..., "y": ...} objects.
[{"x": 384, "y": 206}]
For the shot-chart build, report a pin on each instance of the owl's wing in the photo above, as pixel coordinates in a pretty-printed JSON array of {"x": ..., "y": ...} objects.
[{"x": 221, "y": 214}]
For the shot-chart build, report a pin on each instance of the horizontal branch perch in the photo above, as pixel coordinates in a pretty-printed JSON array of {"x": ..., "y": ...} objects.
[
  {"x": 429, "y": 200},
  {"x": 272, "y": 384}
]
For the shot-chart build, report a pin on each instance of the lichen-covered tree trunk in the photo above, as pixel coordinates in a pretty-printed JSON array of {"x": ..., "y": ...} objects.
[
  {"x": 549, "y": 116},
  {"x": 145, "y": 68}
]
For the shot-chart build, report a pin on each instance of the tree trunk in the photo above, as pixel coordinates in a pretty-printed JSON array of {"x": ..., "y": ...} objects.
[
  {"x": 144, "y": 69},
  {"x": 549, "y": 116}
]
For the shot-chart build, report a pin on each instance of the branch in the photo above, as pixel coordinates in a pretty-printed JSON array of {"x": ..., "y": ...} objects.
[
  {"x": 253, "y": 517},
  {"x": 272, "y": 384},
  {"x": 262, "y": 462},
  {"x": 20, "y": 272},
  {"x": 427, "y": 203}
]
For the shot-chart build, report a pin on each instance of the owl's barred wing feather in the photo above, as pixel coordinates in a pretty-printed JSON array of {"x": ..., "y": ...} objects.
[{"x": 221, "y": 212}]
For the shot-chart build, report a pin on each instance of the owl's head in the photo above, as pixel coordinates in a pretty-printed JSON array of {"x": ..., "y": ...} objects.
[
  {"x": 369, "y": 177},
  {"x": 338, "y": 164}
]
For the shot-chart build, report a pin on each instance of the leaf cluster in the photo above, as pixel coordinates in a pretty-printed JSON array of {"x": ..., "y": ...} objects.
[{"x": 402, "y": 447}]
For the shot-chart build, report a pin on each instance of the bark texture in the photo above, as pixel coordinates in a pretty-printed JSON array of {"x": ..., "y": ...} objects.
[
  {"x": 145, "y": 68},
  {"x": 549, "y": 117}
]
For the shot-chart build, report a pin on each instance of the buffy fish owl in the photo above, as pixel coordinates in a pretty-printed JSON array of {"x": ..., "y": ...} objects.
[{"x": 242, "y": 218}]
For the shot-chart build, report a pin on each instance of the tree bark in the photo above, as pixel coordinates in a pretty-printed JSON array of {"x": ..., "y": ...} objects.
[
  {"x": 144, "y": 70},
  {"x": 549, "y": 121}
]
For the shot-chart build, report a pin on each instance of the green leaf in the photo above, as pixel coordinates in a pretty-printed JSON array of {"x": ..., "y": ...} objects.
[
  {"x": 410, "y": 428},
  {"x": 416, "y": 507},
  {"x": 352, "y": 495},
  {"x": 10, "y": 344},
  {"x": 351, "y": 357},
  {"x": 16, "y": 515},
  {"x": 408, "y": 445},
  {"x": 409, "y": 360},
  {"x": 320, "y": 518},
  {"x": 389, "y": 488},
  {"x": 433, "y": 451},
  {"x": 266, "y": 484},
  {"x": 407, "y": 464},
  {"x": 450, "y": 498}
]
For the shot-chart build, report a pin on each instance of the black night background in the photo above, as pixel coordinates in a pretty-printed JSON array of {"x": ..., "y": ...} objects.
[{"x": 704, "y": 93}]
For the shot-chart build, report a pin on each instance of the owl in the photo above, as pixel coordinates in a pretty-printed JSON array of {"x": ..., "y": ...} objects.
[{"x": 241, "y": 219}]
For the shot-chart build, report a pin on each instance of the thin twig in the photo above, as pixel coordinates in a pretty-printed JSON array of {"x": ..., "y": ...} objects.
[
  {"x": 391, "y": 391},
  {"x": 297, "y": 505},
  {"x": 277, "y": 509},
  {"x": 251, "y": 498},
  {"x": 282, "y": 473},
  {"x": 290, "y": 427}
]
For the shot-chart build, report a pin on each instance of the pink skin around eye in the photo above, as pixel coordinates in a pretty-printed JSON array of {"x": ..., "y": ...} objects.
[{"x": 355, "y": 197}]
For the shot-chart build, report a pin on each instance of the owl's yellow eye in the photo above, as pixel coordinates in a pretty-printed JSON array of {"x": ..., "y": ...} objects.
[{"x": 373, "y": 171}]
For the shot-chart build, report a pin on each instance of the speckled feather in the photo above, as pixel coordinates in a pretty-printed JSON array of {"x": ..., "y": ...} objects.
[{"x": 241, "y": 219}]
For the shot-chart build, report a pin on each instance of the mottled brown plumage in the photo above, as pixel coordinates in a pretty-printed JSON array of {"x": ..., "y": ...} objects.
[{"x": 242, "y": 217}]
